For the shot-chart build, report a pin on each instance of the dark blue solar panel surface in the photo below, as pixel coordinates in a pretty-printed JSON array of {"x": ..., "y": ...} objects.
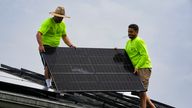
[{"x": 92, "y": 69}]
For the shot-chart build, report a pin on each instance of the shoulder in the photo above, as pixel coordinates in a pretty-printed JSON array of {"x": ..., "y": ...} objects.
[
  {"x": 139, "y": 40},
  {"x": 47, "y": 21},
  {"x": 63, "y": 23}
]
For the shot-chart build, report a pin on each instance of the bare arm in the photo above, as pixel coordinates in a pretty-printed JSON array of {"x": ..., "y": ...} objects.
[
  {"x": 67, "y": 41},
  {"x": 39, "y": 40}
]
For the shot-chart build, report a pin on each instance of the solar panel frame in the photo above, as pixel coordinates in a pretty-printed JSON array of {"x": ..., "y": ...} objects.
[{"x": 86, "y": 69}]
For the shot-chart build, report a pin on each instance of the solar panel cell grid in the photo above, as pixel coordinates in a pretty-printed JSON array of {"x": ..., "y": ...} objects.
[{"x": 92, "y": 69}]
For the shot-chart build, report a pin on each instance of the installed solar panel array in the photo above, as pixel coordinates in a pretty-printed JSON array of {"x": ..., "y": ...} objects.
[{"x": 92, "y": 69}]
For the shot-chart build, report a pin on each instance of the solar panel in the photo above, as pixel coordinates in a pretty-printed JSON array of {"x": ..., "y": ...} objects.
[{"x": 92, "y": 69}]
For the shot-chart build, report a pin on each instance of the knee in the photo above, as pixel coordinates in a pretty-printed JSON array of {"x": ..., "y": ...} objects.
[
  {"x": 46, "y": 68},
  {"x": 143, "y": 95}
]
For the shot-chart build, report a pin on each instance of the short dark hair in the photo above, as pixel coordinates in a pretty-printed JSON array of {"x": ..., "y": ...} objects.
[{"x": 134, "y": 27}]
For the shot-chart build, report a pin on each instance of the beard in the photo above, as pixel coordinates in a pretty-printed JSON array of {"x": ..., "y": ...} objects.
[
  {"x": 58, "y": 21},
  {"x": 132, "y": 36}
]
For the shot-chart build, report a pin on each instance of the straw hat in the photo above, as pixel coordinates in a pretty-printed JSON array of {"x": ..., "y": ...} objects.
[{"x": 59, "y": 12}]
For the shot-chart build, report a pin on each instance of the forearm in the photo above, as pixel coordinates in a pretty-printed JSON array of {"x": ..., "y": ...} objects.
[
  {"x": 39, "y": 39},
  {"x": 139, "y": 64},
  {"x": 141, "y": 61},
  {"x": 142, "y": 51},
  {"x": 67, "y": 41}
]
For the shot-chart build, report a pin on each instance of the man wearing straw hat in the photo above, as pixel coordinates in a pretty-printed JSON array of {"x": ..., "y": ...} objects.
[{"x": 49, "y": 36}]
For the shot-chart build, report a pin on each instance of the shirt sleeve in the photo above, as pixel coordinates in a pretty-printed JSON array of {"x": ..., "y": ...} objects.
[
  {"x": 141, "y": 47},
  {"x": 44, "y": 26}
]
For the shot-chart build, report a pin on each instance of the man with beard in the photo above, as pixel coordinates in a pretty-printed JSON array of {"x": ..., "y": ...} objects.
[
  {"x": 49, "y": 36},
  {"x": 137, "y": 52}
]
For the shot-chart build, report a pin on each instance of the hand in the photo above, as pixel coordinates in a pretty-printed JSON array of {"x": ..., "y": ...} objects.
[
  {"x": 41, "y": 48},
  {"x": 72, "y": 46},
  {"x": 135, "y": 71}
]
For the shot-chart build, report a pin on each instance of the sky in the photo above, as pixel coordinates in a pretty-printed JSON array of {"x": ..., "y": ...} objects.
[{"x": 165, "y": 25}]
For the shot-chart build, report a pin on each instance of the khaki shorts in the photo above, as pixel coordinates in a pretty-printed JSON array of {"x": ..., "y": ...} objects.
[{"x": 144, "y": 75}]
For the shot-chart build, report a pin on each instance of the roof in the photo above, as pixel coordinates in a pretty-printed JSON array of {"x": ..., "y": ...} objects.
[{"x": 20, "y": 95}]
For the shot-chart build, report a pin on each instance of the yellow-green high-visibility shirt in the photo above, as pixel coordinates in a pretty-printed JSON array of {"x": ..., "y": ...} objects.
[
  {"x": 137, "y": 52},
  {"x": 52, "y": 32}
]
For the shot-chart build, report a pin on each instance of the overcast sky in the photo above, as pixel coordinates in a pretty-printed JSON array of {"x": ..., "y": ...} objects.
[{"x": 165, "y": 25}]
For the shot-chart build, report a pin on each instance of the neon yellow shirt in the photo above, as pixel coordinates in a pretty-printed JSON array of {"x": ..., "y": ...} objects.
[
  {"x": 52, "y": 32},
  {"x": 137, "y": 52}
]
